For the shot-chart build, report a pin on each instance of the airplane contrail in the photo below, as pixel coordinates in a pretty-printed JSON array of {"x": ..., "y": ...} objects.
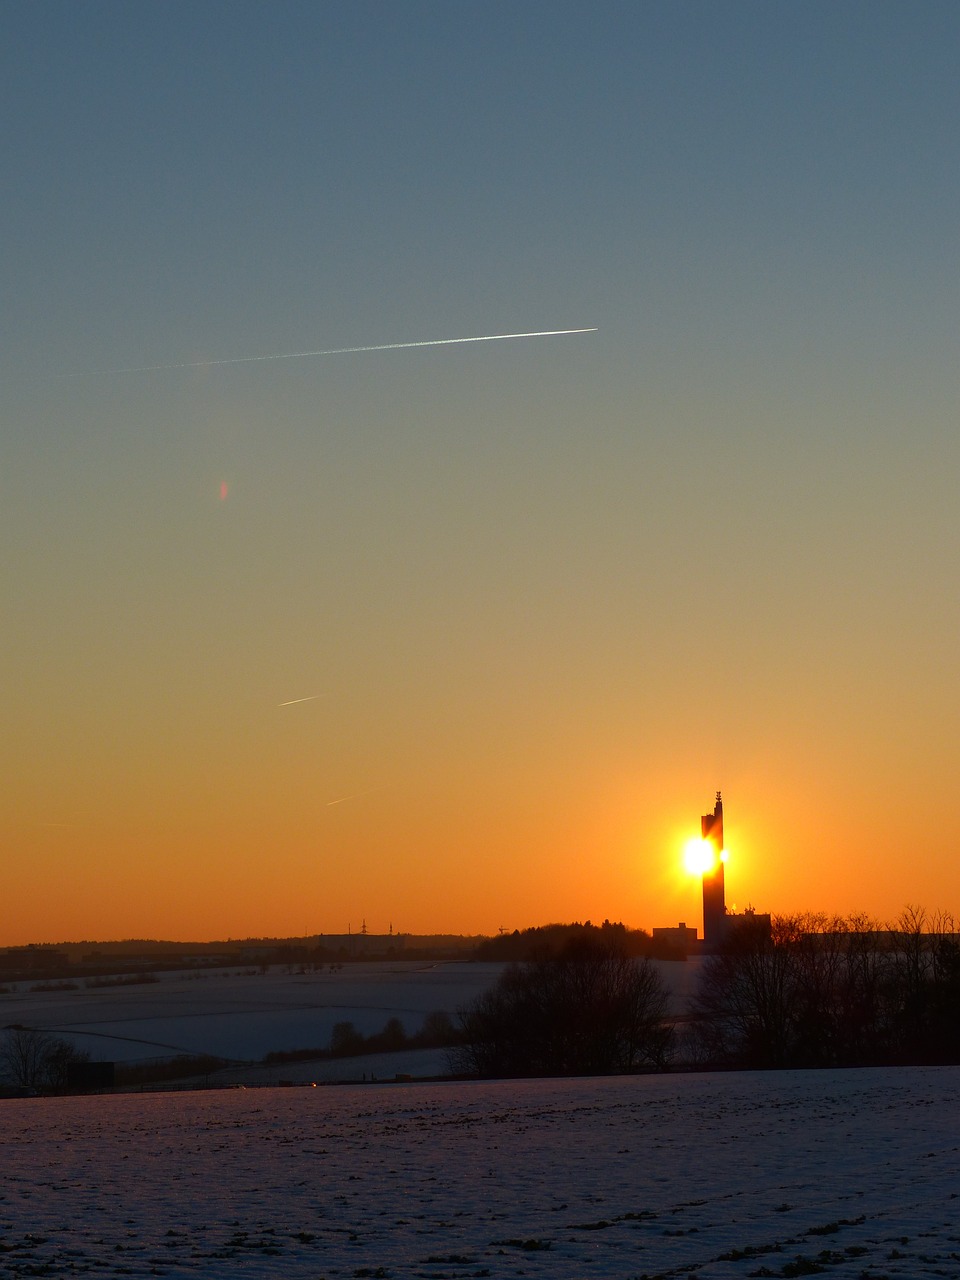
[
  {"x": 293, "y": 701},
  {"x": 353, "y": 796},
  {"x": 346, "y": 351}
]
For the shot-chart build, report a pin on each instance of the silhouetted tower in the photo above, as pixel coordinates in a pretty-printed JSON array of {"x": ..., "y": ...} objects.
[{"x": 714, "y": 908}]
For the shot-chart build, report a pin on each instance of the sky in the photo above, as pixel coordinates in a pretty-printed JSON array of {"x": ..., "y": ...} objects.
[{"x": 466, "y": 637}]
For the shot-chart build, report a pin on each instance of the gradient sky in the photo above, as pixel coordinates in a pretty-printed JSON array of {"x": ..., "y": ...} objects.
[{"x": 545, "y": 596}]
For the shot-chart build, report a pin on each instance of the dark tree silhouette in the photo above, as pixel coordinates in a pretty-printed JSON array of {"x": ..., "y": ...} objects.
[
  {"x": 550, "y": 939},
  {"x": 816, "y": 992},
  {"x": 742, "y": 1003},
  {"x": 345, "y": 1040},
  {"x": 589, "y": 1009},
  {"x": 33, "y": 1059}
]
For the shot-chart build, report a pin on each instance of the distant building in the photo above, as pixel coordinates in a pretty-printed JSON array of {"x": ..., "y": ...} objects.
[
  {"x": 680, "y": 938},
  {"x": 718, "y": 922},
  {"x": 714, "y": 907}
]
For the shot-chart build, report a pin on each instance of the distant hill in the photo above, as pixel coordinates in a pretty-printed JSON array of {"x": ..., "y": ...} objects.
[{"x": 133, "y": 955}]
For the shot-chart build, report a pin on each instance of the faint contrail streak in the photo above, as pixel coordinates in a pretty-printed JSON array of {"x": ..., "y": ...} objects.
[
  {"x": 293, "y": 701},
  {"x": 346, "y": 351},
  {"x": 354, "y": 796}
]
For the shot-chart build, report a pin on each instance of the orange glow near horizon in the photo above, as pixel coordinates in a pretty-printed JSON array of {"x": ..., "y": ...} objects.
[{"x": 279, "y": 862}]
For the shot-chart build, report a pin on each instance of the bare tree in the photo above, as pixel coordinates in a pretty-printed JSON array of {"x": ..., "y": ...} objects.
[
  {"x": 823, "y": 992},
  {"x": 23, "y": 1052},
  {"x": 33, "y": 1059},
  {"x": 61, "y": 1060},
  {"x": 742, "y": 1005},
  {"x": 590, "y": 1009},
  {"x": 862, "y": 1007}
]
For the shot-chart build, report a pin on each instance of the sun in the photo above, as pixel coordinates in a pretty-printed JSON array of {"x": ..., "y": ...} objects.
[{"x": 699, "y": 856}]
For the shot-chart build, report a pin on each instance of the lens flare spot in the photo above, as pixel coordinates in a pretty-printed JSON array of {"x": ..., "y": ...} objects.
[{"x": 224, "y": 490}]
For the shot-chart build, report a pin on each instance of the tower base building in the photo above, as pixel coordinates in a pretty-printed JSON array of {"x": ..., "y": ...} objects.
[
  {"x": 714, "y": 907},
  {"x": 718, "y": 922}
]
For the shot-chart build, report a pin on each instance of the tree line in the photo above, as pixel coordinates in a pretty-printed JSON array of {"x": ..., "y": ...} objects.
[
  {"x": 438, "y": 1031},
  {"x": 801, "y": 991},
  {"x": 541, "y": 941},
  {"x": 816, "y": 991}
]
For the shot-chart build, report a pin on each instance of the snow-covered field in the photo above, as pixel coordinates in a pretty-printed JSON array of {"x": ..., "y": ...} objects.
[
  {"x": 856, "y": 1174},
  {"x": 245, "y": 1015}
]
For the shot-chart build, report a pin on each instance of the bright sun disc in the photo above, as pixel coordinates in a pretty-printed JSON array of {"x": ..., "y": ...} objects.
[{"x": 699, "y": 856}]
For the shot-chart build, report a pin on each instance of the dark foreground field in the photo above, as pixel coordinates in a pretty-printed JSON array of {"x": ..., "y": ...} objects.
[{"x": 853, "y": 1174}]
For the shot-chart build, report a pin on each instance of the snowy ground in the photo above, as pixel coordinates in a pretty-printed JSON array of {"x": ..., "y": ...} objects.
[
  {"x": 855, "y": 1174},
  {"x": 244, "y": 1015}
]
